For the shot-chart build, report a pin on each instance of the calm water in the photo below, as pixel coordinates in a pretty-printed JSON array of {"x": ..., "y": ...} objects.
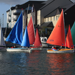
[{"x": 36, "y": 63}]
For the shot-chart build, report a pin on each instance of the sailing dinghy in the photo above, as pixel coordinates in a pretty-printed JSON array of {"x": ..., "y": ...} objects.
[
  {"x": 57, "y": 37},
  {"x": 37, "y": 42},
  {"x": 73, "y": 33},
  {"x": 33, "y": 40},
  {"x": 16, "y": 36},
  {"x": 2, "y": 42}
]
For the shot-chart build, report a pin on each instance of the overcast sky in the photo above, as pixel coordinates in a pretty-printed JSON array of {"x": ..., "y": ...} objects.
[{"x": 6, "y": 4}]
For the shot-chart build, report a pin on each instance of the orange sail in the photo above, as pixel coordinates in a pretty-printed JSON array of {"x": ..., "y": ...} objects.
[
  {"x": 31, "y": 34},
  {"x": 37, "y": 42},
  {"x": 57, "y": 37},
  {"x": 69, "y": 41}
]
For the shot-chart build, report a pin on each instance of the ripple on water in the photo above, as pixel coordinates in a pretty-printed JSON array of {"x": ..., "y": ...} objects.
[{"x": 36, "y": 63}]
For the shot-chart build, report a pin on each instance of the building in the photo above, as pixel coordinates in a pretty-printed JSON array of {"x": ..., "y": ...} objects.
[
  {"x": 12, "y": 16},
  {"x": 14, "y": 12},
  {"x": 45, "y": 13}
]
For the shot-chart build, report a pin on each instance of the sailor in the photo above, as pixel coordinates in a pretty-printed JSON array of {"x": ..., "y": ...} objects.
[
  {"x": 54, "y": 48},
  {"x": 13, "y": 47}
]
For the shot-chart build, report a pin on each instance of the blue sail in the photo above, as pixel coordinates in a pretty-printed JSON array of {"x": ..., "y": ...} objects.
[
  {"x": 16, "y": 34},
  {"x": 25, "y": 41}
]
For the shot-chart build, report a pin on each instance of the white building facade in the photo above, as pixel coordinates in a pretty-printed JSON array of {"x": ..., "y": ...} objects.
[{"x": 12, "y": 16}]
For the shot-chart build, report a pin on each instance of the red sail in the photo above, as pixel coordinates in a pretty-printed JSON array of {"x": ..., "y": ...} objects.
[
  {"x": 30, "y": 29},
  {"x": 57, "y": 37},
  {"x": 69, "y": 41},
  {"x": 37, "y": 42}
]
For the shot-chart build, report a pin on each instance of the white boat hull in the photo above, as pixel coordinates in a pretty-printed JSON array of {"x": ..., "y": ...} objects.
[
  {"x": 36, "y": 48},
  {"x": 61, "y": 51},
  {"x": 19, "y": 49}
]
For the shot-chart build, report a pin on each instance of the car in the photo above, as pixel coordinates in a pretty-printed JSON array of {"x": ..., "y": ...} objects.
[{"x": 43, "y": 41}]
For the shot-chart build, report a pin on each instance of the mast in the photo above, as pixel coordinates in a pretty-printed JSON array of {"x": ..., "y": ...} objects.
[
  {"x": 32, "y": 13},
  {"x": 31, "y": 32},
  {"x": 0, "y": 22},
  {"x": 64, "y": 27},
  {"x": 27, "y": 12}
]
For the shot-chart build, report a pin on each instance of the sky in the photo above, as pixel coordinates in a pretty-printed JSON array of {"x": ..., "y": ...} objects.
[{"x": 5, "y": 5}]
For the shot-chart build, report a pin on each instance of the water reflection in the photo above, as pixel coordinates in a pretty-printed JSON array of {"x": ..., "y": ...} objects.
[
  {"x": 60, "y": 64},
  {"x": 33, "y": 63},
  {"x": 36, "y": 63},
  {"x": 0, "y": 55}
]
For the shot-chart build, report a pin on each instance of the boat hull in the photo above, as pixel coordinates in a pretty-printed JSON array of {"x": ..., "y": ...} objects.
[
  {"x": 36, "y": 48},
  {"x": 61, "y": 51},
  {"x": 28, "y": 50}
]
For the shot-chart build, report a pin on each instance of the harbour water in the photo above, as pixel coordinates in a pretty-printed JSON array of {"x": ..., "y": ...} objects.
[{"x": 37, "y": 63}]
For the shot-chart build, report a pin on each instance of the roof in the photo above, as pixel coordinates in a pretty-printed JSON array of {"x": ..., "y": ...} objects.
[
  {"x": 30, "y": 3},
  {"x": 47, "y": 24},
  {"x": 70, "y": 15},
  {"x": 69, "y": 6},
  {"x": 55, "y": 12},
  {"x": 46, "y": 3},
  {"x": 52, "y": 5}
]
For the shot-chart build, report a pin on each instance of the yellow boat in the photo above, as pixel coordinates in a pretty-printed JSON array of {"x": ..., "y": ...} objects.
[
  {"x": 57, "y": 38},
  {"x": 61, "y": 51}
]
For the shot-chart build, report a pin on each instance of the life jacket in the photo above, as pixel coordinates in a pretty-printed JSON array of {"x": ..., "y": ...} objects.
[
  {"x": 54, "y": 49},
  {"x": 12, "y": 47}
]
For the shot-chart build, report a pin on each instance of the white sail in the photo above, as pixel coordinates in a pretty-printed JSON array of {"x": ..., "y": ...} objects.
[{"x": 2, "y": 43}]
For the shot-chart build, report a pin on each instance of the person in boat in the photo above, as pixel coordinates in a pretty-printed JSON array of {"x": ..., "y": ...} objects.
[
  {"x": 13, "y": 47},
  {"x": 54, "y": 48}
]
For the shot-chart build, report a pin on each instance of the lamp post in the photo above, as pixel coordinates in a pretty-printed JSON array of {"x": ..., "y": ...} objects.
[
  {"x": 0, "y": 22},
  {"x": 3, "y": 20}
]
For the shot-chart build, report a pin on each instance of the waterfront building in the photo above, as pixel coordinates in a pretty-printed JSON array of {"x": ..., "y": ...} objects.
[
  {"x": 45, "y": 13},
  {"x": 12, "y": 16}
]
